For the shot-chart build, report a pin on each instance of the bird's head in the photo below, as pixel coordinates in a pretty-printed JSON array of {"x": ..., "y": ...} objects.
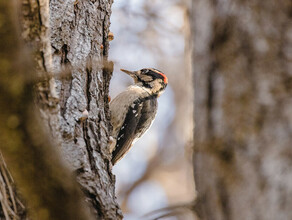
[{"x": 150, "y": 79}]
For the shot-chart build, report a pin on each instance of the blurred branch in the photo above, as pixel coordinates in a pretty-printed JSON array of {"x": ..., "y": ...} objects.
[
  {"x": 154, "y": 163},
  {"x": 174, "y": 210},
  {"x": 11, "y": 206}
]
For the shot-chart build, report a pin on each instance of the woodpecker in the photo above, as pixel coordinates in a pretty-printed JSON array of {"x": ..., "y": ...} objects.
[{"x": 134, "y": 110}]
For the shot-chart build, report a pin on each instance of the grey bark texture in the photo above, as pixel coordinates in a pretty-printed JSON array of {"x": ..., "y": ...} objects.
[
  {"x": 48, "y": 188},
  {"x": 242, "y": 53},
  {"x": 79, "y": 38},
  {"x": 70, "y": 44}
]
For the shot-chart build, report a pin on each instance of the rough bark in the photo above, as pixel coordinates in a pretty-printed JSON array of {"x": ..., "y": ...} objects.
[
  {"x": 243, "y": 90},
  {"x": 70, "y": 44},
  {"x": 47, "y": 187},
  {"x": 80, "y": 44}
]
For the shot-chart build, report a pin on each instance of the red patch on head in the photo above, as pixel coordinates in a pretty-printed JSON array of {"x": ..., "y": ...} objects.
[{"x": 163, "y": 75}]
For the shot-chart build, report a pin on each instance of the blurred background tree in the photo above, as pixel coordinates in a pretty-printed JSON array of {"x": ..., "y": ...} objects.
[{"x": 242, "y": 52}]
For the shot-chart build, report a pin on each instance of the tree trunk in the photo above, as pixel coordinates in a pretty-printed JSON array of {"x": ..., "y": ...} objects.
[
  {"x": 70, "y": 44},
  {"x": 243, "y": 90},
  {"x": 80, "y": 44}
]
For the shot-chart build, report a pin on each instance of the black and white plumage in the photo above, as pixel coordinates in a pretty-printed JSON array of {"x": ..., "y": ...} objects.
[{"x": 133, "y": 110}]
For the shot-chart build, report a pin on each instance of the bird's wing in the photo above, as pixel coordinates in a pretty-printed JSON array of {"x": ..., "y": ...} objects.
[
  {"x": 127, "y": 132},
  {"x": 140, "y": 114},
  {"x": 148, "y": 113}
]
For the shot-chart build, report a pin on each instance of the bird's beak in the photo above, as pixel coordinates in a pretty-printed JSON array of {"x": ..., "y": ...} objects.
[{"x": 133, "y": 74}]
